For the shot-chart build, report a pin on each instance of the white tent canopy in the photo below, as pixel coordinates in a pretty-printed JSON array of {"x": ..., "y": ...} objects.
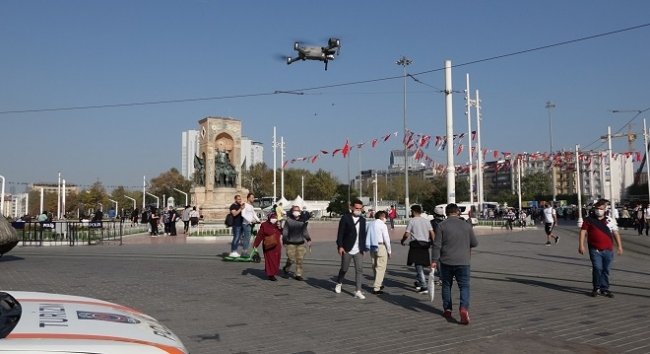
[{"x": 298, "y": 201}]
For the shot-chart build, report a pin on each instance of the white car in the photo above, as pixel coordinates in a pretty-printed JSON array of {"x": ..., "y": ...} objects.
[
  {"x": 468, "y": 212},
  {"x": 34, "y": 322}
]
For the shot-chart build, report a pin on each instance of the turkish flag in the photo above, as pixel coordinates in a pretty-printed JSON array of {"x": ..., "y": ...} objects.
[{"x": 346, "y": 149}]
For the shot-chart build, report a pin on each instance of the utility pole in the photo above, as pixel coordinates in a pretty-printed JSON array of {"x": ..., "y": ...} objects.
[
  {"x": 451, "y": 170},
  {"x": 468, "y": 112},
  {"x": 275, "y": 184},
  {"x": 404, "y": 62},
  {"x": 549, "y": 106},
  {"x": 479, "y": 167}
]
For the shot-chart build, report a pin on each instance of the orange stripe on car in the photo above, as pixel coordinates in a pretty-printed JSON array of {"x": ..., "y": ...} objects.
[
  {"x": 166, "y": 348},
  {"x": 83, "y": 302}
]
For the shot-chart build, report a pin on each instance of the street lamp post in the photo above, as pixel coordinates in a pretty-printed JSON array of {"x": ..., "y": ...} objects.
[
  {"x": 549, "y": 106},
  {"x": 185, "y": 194},
  {"x": 157, "y": 199},
  {"x": 404, "y": 62},
  {"x": 2, "y": 196},
  {"x": 131, "y": 199}
]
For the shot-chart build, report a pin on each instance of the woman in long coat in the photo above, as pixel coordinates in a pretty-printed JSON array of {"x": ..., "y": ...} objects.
[{"x": 270, "y": 230}]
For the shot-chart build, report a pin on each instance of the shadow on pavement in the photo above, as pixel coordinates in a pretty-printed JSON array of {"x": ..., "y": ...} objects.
[{"x": 10, "y": 258}]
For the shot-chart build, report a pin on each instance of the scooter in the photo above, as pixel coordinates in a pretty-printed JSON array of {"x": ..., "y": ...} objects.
[{"x": 254, "y": 257}]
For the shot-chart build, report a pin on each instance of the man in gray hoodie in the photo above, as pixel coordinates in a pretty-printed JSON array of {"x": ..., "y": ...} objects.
[{"x": 451, "y": 249}]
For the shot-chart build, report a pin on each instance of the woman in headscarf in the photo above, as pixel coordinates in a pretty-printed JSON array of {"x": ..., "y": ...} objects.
[{"x": 270, "y": 235}]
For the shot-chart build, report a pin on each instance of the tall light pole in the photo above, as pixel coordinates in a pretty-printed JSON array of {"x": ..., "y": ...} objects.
[
  {"x": 468, "y": 104},
  {"x": 578, "y": 187},
  {"x": 180, "y": 191},
  {"x": 549, "y": 106},
  {"x": 131, "y": 199},
  {"x": 2, "y": 196},
  {"x": 645, "y": 149},
  {"x": 404, "y": 62}
]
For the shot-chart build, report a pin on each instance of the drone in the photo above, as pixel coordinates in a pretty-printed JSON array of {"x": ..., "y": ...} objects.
[{"x": 324, "y": 54}]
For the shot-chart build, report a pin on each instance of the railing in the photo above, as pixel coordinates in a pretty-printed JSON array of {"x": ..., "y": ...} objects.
[{"x": 72, "y": 233}]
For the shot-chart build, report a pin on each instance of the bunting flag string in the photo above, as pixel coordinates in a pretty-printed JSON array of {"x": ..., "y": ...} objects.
[{"x": 345, "y": 150}]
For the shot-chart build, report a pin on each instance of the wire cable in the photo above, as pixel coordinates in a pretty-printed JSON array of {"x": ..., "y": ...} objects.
[{"x": 276, "y": 92}]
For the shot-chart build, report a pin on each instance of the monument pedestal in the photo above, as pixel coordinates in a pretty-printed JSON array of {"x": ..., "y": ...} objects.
[{"x": 216, "y": 204}]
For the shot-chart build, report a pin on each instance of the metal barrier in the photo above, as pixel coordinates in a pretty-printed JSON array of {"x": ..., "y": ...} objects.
[{"x": 58, "y": 233}]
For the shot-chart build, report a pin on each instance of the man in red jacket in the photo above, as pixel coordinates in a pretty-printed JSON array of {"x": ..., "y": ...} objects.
[{"x": 601, "y": 233}]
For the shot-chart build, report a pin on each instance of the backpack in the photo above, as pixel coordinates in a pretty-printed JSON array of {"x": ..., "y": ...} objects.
[{"x": 229, "y": 220}]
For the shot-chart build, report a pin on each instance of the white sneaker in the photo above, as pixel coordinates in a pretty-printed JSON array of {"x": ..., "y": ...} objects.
[
  {"x": 337, "y": 288},
  {"x": 234, "y": 254},
  {"x": 359, "y": 295}
]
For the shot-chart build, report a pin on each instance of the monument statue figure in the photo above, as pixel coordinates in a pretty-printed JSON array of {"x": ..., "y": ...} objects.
[
  {"x": 225, "y": 173},
  {"x": 199, "y": 175}
]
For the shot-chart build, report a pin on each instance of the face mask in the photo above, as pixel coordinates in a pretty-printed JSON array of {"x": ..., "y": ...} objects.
[
  {"x": 273, "y": 221},
  {"x": 296, "y": 213},
  {"x": 356, "y": 212},
  {"x": 600, "y": 212}
]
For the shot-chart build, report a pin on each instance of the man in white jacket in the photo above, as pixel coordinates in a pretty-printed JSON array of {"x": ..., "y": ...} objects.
[
  {"x": 250, "y": 219},
  {"x": 378, "y": 242}
]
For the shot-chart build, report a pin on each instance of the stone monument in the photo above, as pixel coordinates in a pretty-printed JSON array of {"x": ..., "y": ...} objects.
[{"x": 218, "y": 173}]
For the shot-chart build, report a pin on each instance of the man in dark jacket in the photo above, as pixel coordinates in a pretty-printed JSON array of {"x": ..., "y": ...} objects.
[
  {"x": 350, "y": 244},
  {"x": 451, "y": 248},
  {"x": 294, "y": 236}
]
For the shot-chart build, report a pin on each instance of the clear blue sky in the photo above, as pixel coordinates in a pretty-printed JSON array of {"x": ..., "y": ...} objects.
[{"x": 58, "y": 54}]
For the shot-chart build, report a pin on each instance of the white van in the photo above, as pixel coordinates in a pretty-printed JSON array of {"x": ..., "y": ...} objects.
[{"x": 468, "y": 212}]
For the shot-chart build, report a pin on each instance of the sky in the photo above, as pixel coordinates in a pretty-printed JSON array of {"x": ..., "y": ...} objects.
[{"x": 111, "y": 60}]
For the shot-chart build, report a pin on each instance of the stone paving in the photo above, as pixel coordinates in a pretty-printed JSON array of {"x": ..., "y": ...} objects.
[{"x": 526, "y": 298}]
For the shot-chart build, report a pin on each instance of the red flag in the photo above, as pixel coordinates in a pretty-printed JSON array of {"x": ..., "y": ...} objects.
[
  {"x": 324, "y": 152},
  {"x": 346, "y": 149},
  {"x": 418, "y": 155},
  {"x": 387, "y": 137},
  {"x": 495, "y": 154},
  {"x": 374, "y": 142},
  {"x": 359, "y": 146},
  {"x": 335, "y": 151},
  {"x": 313, "y": 159},
  {"x": 285, "y": 164},
  {"x": 459, "y": 150},
  {"x": 638, "y": 156},
  {"x": 474, "y": 135}
]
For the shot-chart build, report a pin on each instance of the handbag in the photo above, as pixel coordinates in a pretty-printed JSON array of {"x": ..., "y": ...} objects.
[{"x": 270, "y": 242}]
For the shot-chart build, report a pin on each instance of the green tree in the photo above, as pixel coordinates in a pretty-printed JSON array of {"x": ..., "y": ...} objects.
[
  {"x": 339, "y": 203},
  {"x": 535, "y": 186},
  {"x": 165, "y": 183},
  {"x": 321, "y": 186}
]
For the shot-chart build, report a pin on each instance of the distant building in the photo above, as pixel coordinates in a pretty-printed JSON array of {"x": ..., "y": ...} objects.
[
  {"x": 252, "y": 153},
  {"x": 397, "y": 161},
  {"x": 189, "y": 147}
]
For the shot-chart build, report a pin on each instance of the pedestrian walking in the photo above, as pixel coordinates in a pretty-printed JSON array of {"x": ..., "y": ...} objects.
[
  {"x": 601, "y": 233},
  {"x": 510, "y": 219},
  {"x": 550, "y": 220},
  {"x": 419, "y": 234},
  {"x": 350, "y": 241},
  {"x": 173, "y": 218},
  {"x": 185, "y": 216},
  {"x": 194, "y": 219},
  {"x": 639, "y": 218},
  {"x": 237, "y": 225},
  {"x": 452, "y": 252},
  {"x": 392, "y": 214},
  {"x": 269, "y": 236},
  {"x": 294, "y": 236},
  {"x": 378, "y": 242},
  {"x": 153, "y": 222},
  {"x": 248, "y": 223}
]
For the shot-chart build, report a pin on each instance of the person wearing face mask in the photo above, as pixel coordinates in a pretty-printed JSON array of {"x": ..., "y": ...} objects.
[
  {"x": 419, "y": 233},
  {"x": 294, "y": 236},
  {"x": 350, "y": 244},
  {"x": 601, "y": 233},
  {"x": 269, "y": 234}
]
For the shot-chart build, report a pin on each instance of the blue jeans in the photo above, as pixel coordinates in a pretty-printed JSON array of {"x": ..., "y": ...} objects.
[
  {"x": 236, "y": 237},
  {"x": 246, "y": 237},
  {"x": 601, "y": 262},
  {"x": 447, "y": 275},
  {"x": 422, "y": 280}
]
